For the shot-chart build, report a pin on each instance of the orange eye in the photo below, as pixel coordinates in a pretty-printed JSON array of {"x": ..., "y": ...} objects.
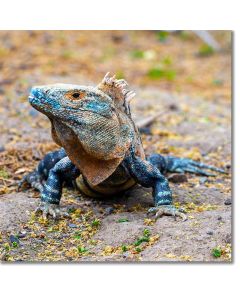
[{"x": 76, "y": 95}]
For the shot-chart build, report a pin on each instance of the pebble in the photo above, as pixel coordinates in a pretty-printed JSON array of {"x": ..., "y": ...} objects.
[
  {"x": 203, "y": 180},
  {"x": 13, "y": 239},
  {"x": 177, "y": 178},
  {"x": 126, "y": 255},
  {"x": 228, "y": 201},
  {"x": 21, "y": 234},
  {"x": 219, "y": 218},
  {"x": 173, "y": 106},
  {"x": 228, "y": 238},
  {"x": 210, "y": 232},
  {"x": 72, "y": 225},
  {"x": 109, "y": 210},
  {"x": 145, "y": 130},
  {"x": 219, "y": 180}
]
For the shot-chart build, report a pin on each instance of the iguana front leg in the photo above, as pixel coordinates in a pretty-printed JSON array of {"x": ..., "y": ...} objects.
[
  {"x": 64, "y": 170},
  {"x": 36, "y": 178},
  {"x": 148, "y": 175}
]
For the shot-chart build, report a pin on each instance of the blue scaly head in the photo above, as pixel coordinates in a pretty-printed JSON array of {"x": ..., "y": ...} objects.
[{"x": 65, "y": 101}]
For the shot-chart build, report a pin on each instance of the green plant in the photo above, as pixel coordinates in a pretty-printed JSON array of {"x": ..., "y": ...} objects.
[
  {"x": 6, "y": 246},
  {"x": 4, "y": 174},
  {"x": 124, "y": 248},
  {"x": 96, "y": 222},
  {"x": 71, "y": 210},
  {"x": 205, "y": 50},
  {"x": 77, "y": 235},
  {"x": 137, "y": 54},
  {"x": 162, "y": 35},
  {"x": 146, "y": 232},
  {"x": 14, "y": 244},
  {"x": 82, "y": 249},
  {"x": 158, "y": 73},
  {"x": 66, "y": 54},
  {"x": 123, "y": 220},
  {"x": 167, "y": 61},
  {"x": 185, "y": 35},
  {"x": 216, "y": 252},
  {"x": 141, "y": 240},
  {"x": 119, "y": 74}
]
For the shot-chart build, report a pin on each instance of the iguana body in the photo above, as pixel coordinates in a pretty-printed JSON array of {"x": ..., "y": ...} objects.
[{"x": 101, "y": 152}]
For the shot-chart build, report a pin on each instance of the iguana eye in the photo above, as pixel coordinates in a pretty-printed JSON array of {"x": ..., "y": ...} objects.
[{"x": 76, "y": 95}]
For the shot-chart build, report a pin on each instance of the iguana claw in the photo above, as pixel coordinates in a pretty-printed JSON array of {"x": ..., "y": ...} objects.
[
  {"x": 168, "y": 210},
  {"x": 48, "y": 209}
]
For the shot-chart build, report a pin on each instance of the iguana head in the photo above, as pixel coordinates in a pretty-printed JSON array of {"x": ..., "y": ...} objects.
[
  {"x": 68, "y": 102},
  {"x": 92, "y": 124}
]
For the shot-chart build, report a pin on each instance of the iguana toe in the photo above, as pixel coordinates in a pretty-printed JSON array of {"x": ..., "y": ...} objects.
[{"x": 168, "y": 210}]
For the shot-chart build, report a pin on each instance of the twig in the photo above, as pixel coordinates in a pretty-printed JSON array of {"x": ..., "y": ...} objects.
[{"x": 149, "y": 120}]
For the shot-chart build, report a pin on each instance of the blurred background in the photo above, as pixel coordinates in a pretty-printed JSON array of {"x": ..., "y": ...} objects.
[{"x": 178, "y": 61}]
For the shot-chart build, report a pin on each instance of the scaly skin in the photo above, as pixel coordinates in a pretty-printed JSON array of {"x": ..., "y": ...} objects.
[{"x": 101, "y": 152}]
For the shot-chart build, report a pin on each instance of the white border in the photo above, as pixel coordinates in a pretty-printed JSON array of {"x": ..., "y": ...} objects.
[{"x": 124, "y": 14}]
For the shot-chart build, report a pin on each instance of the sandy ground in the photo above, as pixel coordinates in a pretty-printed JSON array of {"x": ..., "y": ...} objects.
[{"x": 190, "y": 127}]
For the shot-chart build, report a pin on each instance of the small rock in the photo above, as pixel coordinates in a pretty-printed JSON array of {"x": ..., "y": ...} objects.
[
  {"x": 71, "y": 225},
  {"x": 109, "y": 210},
  {"x": 21, "y": 234},
  {"x": 13, "y": 239},
  {"x": 126, "y": 255},
  {"x": 2, "y": 148},
  {"x": 178, "y": 178},
  {"x": 203, "y": 180},
  {"x": 228, "y": 238},
  {"x": 219, "y": 180},
  {"x": 145, "y": 130},
  {"x": 228, "y": 166},
  {"x": 64, "y": 235},
  {"x": 210, "y": 232},
  {"x": 219, "y": 218},
  {"x": 228, "y": 201},
  {"x": 173, "y": 106}
]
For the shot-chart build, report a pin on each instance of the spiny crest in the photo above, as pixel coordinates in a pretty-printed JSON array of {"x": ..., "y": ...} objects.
[{"x": 116, "y": 89}]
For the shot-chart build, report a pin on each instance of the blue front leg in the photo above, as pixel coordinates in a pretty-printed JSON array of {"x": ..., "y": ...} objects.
[
  {"x": 148, "y": 175},
  {"x": 37, "y": 177},
  {"x": 63, "y": 171}
]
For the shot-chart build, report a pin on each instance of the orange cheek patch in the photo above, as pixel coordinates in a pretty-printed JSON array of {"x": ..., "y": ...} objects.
[{"x": 73, "y": 95}]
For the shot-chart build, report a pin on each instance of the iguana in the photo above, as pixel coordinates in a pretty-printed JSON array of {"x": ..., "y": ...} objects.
[{"x": 101, "y": 150}]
